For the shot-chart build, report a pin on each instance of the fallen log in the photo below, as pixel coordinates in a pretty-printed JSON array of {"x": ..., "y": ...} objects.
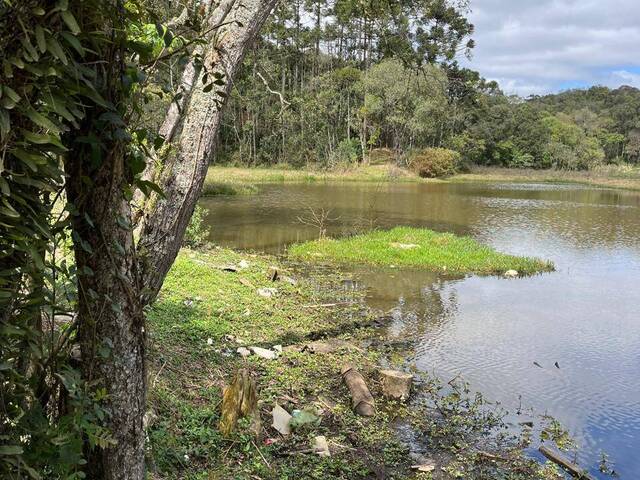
[
  {"x": 565, "y": 463},
  {"x": 361, "y": 398}
]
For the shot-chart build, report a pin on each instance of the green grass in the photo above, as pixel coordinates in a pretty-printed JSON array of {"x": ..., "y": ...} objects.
[
  {"x": 199, "y": 301},
  {"x": 414, "y": 247}
]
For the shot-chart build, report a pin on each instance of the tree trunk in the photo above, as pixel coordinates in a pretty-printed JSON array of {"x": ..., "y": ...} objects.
[
  {"x": 192, "y": 71},
  {"x": 111, "y": 327},
  {"x": 164, "y": 224}
]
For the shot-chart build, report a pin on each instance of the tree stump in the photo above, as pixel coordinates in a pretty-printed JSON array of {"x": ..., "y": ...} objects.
[{"x": 396, "y": 385}]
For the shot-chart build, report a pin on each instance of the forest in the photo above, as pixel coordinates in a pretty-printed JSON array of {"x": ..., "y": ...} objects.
[{"x": 329, "y": 83}]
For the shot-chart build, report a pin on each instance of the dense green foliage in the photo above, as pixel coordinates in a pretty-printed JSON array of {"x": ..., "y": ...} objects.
[
  {"x": 435, "y": 162},
  {"x": 330, "y": 81},
  {"x": 73, "y": 85},
  {"x": 416, "y": 247}
]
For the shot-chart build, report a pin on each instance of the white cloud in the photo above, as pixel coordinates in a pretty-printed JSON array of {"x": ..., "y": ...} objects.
[{"x": 540, "y": 46}]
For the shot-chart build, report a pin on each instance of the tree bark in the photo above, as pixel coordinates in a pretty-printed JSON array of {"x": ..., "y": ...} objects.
[
  {"x": 163, "y": 226},
  {"x": 192, "y": 71}
]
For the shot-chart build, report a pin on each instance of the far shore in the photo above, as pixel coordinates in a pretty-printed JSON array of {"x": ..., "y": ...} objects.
[{"x": 223, "y": 180}]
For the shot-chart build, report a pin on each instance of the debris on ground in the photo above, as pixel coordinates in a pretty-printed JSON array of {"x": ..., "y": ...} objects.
[
  {"x": 240, "y": 400},
  {"x": 264, "y": 353},
  {"x": 396, "y": 385},
  {"x": 281, "y": 420},
  {"x": 244, "y": 352},
  {"x": 247, "y": 283},
  {"x": 267, "y": 292},
  {"x": 511, "y": 274},
  {"x": 300, "y": 418},
  {"x": 273, "y": 274},
  {"x": 404, "y": 246},
  {"x": 426, "y": 467},
  {"x": 361, "y": 398},
  {"x": 289, "y": 280},
  {"x": 321, "y": 446},
  {"x": 329, "y": 346}
]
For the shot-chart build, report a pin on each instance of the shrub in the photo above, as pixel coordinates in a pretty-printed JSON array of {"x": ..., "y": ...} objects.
[
  {"x": 435, "y": 162},
  {"x": 197, "y": 232}
]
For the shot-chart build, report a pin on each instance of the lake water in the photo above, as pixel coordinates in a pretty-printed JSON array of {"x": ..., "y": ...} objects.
[{"x": 585, "y": 316}]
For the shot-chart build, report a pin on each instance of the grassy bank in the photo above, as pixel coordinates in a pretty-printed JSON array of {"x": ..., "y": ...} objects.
[
  {"x": 207, "y": 310},
  {"x": 238, "y": 181},
  {"x": 623, "y": 177},
  {"x": 415, "y": 247}
]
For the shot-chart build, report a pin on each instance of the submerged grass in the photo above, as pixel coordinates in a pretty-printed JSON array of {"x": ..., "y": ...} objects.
[{"x": 416, "y": 247}]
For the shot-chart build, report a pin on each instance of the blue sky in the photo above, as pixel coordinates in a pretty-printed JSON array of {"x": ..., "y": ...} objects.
[{"x": 543, "y": 46}]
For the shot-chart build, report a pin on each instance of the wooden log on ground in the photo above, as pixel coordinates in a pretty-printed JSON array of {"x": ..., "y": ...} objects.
[
  {"x": 361, "y": 398},
  {"x": 565, "y": 463}
]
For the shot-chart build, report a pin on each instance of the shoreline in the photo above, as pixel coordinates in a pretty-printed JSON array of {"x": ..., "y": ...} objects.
[
  {"x": 224, "y": 180},
  {"x": 195, "y": 335}
]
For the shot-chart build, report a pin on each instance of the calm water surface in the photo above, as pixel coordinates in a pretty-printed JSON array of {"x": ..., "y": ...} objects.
[{"x": 585, "y": 316}]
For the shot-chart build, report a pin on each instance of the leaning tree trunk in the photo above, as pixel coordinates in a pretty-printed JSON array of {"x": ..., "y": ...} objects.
[{"x": 164, "y": 225}]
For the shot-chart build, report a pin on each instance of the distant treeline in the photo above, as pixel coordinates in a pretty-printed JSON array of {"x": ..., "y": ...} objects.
[{"x": 331, "y": 81}]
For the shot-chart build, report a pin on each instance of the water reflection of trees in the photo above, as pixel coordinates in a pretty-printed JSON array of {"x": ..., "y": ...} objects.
[{"x": 420, "y": 303}]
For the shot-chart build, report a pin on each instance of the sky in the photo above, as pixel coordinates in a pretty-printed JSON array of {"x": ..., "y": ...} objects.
[{"x": 546, "y": 46}]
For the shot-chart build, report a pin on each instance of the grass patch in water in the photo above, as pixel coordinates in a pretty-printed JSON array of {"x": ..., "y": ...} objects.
[{"x": 416, "y": 247}]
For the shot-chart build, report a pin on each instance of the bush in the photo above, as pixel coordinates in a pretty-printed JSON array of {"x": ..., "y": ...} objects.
[
  {"x": 435, "y": 162},
  {"x": 197, "y": 232}
]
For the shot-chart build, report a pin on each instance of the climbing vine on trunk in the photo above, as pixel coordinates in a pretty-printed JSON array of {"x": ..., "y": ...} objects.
[{"x": 74, "y": 82}]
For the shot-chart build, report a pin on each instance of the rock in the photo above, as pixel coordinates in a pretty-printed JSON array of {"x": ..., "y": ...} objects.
[
  {"x": 264, "y": 353},
  {"x": 289, "y": 280},
  {"x": 396, "y": 385},
  {"x": 267, "y": 292},
  {"x": 321, "y": 446},
  {"x": 243, "y": 264},
  {"x": 405, "y": 246},
  {"x": 511, "y": 274},
  {"x": 273, "y": 274},
  {"x": 244, "y": 352},
  {"x": 247, "y": 283},
  {"x": 278, "y": 348},
  {"x": 281, "y": 419},
  {"x": 427, "y": 467}
]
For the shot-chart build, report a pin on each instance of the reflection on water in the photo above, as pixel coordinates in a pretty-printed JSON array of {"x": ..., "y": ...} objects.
[{"x": 585, "y": 316}]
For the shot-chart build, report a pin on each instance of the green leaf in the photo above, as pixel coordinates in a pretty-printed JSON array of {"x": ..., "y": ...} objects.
[
  {"x": 5, "y": 124},
  {"x": 40, "y": 40},
  {"x": 41, "y": 120},
  {"x": 11, "y": 450},
  {"x": 4, "y": 187},
  {"x": 11, "y": 93},
  {"x": 43, "y": 139},
  {"x": 74, "y": 42},
  {"x": 70, "y": 20},
  {"x": 56, "y": 50}
]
